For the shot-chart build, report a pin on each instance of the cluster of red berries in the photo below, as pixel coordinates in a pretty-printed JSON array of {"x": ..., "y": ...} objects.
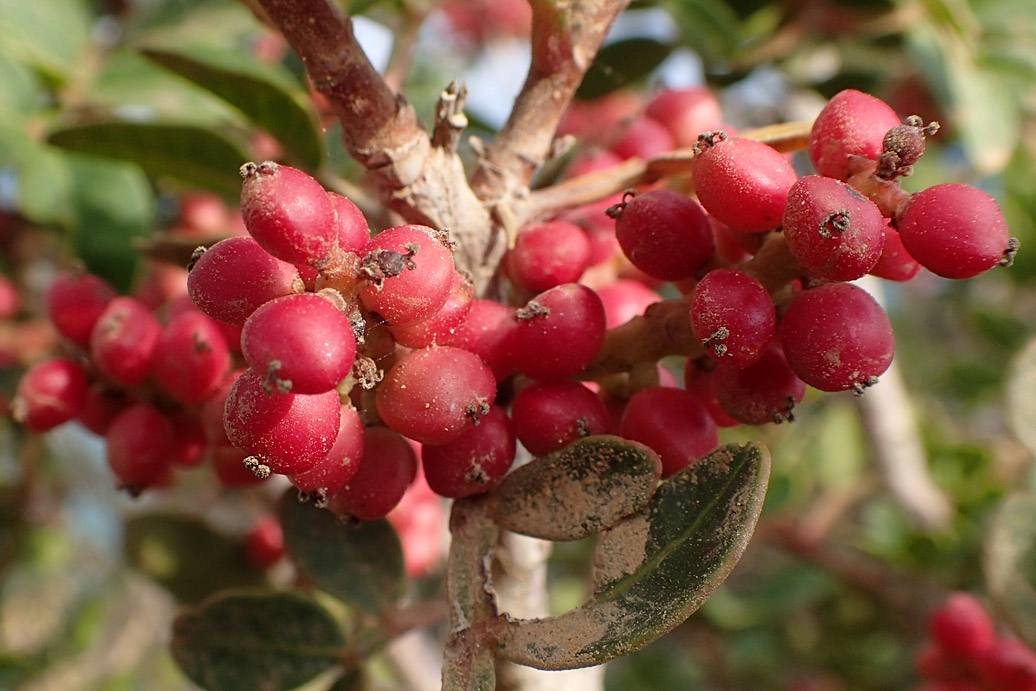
[
  {"x": 964, "y": 652},
  {"x": 362, "y": 356}
]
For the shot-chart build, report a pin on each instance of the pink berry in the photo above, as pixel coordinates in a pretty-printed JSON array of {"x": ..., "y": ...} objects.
[
  {"x": 686, "y": 113},
  {"x": 642, "y": 137},
  {"x": 191, "y": 357},
  {"x": 835, "y": 231},
  {"x": 1008, "y": 665},
  {"x": 673, "y": 422},
  {"x": 287, "y": 432},
  {"x": 139, "y": 445},
  {"x": 961, "y": 626},
  {"x": 764, "y": 392},
  {"x": 559, "y": 332},
  {"x": 411, "y": 272},
  {"x": 473, "y": 462},
  {"x": 742, "y": 182},
  {"x": 264, "y": 543},
  {"x": 548, "y": 254},
  {"x": 303, "y": 343},
  {"x": 343, "y": 460},
  {"x": 442, "y": 327},
  {"x": 625, "y": 298},
  {"x": 954, "y": 230},
  {"x": 288, "y": 213},
  {"x": 851, "y": 124},
  {"x": 836, "y": 337},
  {"x": 488, "y": 331},
  {"x": 75, "y": 302},
  {"x": 379, "y": 485},
  {"x": 550, "y": 416},
  {"x": 50, "y": 393},
  {"x": 353, "y": 231},
  {"x": 433, "y": 395},
  {"x": 664, "y": 233},
  {"x": 234, "y": 276},
  {"x": 895, "y": 263},
  {"x": 733, "y": 317},
  {"x": 123, "y": 341}
]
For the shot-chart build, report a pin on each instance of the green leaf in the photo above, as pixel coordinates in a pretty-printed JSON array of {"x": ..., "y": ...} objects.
[
  {"x": 621, "y": 63},
  {"x": 195, "y": 155},
  {"x": 361, "y": 562},
  {"x": 264, "y": 93},
  {"x": 578, "y": 491},
  {"x": 249, "y": 641},
  {"x": 186, "y": 556},
  {"x": 654, "y": 569},
  {"x": 19, "y": 88},
  {"x": 51, "y": 35},
  {"x": 1010, "y": 565},
  {"x": 709, "y": 27},
  {"x": 113, "y": 203}
]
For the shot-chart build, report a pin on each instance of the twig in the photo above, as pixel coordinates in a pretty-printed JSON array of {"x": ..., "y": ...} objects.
[
  {"x": 785, "y": 137},
  {"x": 424, "y": 184}
]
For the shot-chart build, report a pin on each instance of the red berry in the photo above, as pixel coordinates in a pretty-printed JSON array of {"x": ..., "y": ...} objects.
[
  {"x": 234, "y": 276},
  {"x": 488, "y": 331},
  {"x": 961, "y": 626},
  {"x": 548, "y": 254},
  {"x": 264, "y": 543},
  {"x": 559, "y": 332},
  {"x": 442, "y": 327},
  {"x": 766, "y": 391},
  {"x": 686, "y": 113},
  {"x": 353, "y": 231},
  {"x": 550, "y": 416},
  {"x": 664, "y": 234},
  {"x": 288, "y": 213},
  {"x": 139, "y": 447},
  {"x": 473, "y": 462},
  {"x": 895, "y": 263},
  {"x": 954, "y": 230},
  {"x": 625, "y": 298},
  {"x": 836, "y": 337},
  {"x": 1008, "y": 665},
  {"x": 642, "y": 137},
  {"x": 50, "y": 393},
  {"x": 228, "y": 464},
  {"x": 411, "y": 272},
  {"x": 433, "y": 395},
  {"x": 343, "y": 460},
  {"x": 287, "y": 432},
  {"x": 303, "y": 343},
  {"x": 389, "y": 467},
  {"x": 835, "y": 231},
  {"x": 733, "y": 317},
  {"x": 851, "y": 124},
  {"x": 123, "y": 341},
  {"x": 75, "y": 302},
  {"x": 673, "y": 422},
  {"x": 191, "y": 357},
  {"x": 742, "y": 182}
]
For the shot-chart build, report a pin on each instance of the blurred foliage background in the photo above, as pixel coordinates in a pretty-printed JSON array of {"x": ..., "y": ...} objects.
[{"x": 112, "y": 110}]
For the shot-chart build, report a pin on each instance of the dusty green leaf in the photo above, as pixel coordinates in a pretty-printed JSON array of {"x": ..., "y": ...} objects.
[
  {"x": 622, "y": 63},
  {"x": 1010, "y": 565},
  {"x": 359, "y": 562},
  {"x": 256, "y": 642},
  {"x": 266, "y": 94},
  {"x": 578, "y": 491},
  {"x": 187, "y": 556},
  {"x": 654, "y": 569},
  {"x": 201, "y": 157}
]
